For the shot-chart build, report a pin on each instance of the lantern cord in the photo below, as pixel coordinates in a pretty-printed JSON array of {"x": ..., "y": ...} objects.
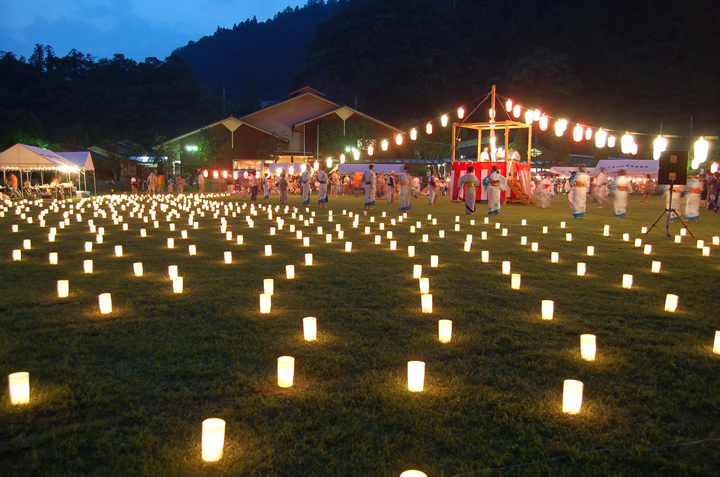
[{"x": 599, "y": 451}]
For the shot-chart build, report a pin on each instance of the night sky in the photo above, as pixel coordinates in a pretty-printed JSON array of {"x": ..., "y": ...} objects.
[{"x": 135, "y": 28}]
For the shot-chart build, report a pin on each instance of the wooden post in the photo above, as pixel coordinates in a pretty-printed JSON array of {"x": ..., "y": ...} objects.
[
  {"x": 454, "y": 142},
  {"x": 492, "y": 131},
  {"x": 530, "y": 145}
]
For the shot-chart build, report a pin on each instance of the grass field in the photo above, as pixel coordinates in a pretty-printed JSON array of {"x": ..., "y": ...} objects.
[{"x": 126, "y": 393}]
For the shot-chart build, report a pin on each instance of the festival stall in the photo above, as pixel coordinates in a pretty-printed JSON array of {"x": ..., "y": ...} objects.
[
  {"x": 27, "y": 159},
  {"x": 83, "y": 162}
]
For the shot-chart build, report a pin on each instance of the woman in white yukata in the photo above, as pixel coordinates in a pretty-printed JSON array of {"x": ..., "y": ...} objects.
[
  {"x": 405, "y": 181},
  {"x": 692, "y": 199},
  {"x": 322, "y": 179},
  {"x": 368, "y": 179},
  {"x": 305, "y": 180},
  {"x": 494, "y": 184},
  {"x": 621, "y": 188},
  {"x": 546, "y": 189},
  {"x": 580, "y": 183},
  {"x": 471, "y": 183}
]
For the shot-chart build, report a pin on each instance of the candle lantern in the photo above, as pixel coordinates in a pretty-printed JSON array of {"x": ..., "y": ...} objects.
[
  {"x": 466, "y": 246},
  {"x": 445, "y": 331},
  {"x": 504, "y": 232},
  {"x": 192, "y": 249},
  {"x": 606, "y": 230},
  {"x": 545, "y": 230},
  {"x": 306, "y": 241},
  {"x": 265, "y": 303},
  {"x": 19, "y": 384},
  {"x": 548, "y": 309},
  {"x": 393, "y": 245},
  {"x": 534, "y": 246},
  {"x": 506, "y": 267},
  {"x": 105, "y": 302},
  {"x": 172, "y": 271},
  {"x": 285, "y": 371},
  {"x": 310, "y": 328},
  {"x": 417, "y": 271},
  {"x": 268, "y": 250},
  {"x": 678, "y": 239},
  {"x": 416, "y": 376},
  {"x": 434, "y": 261},
  {"x": 213, "y": 439},
  {"x": 523, "y": 240},
  {"x": 88, "y": 246},
  {"x": 177, "y": 285},
  {"x": 647, "y": 249},
  {"x": 411, "y": 250},
  {"x": 184, "y": 234},
  {"x": 143, "y": 233},
  {"x": 239, "y": 239},
  {"x": 485, "y": 256},
  {"x": 424, "y": 285},
  {"x": 581, "y": 269},
  {"x": 716, "y": 240},
  {"x": 328, "y": 238},
  {"x": 638, "y": 242},
  {"x": 341, "y": 234},
  {"x": 118, "y": 251},
  {"x": 27, "y": 244},
  {"x": 572, "y": 396},
  {"x": 656, "y": 267},
  {"x": 523, "y": 222},
  {"x": 483, "y": 235},
  {"x": 227, "y": 256},
  {"x": 377, "y": 239},
  {"x": 671, "y": 303},
  {"x": 170, "y": 242},
  {"x": 700, "y": 244},
  {"x": 627, "y": 280},
  {"x": 587, "y": 347},
  {"x": 269, "y": 286},
  {"x": 568, "y": 237},
  {"x": 53, "y": 257},
  {"x": 716, "y": 344},
  {"x": 590, "y": 250},
  {"x": 706, "y": 251},
  {"x": 515, "y": 281},
  {"x": 457, "y": 227},
  {"x": 308, "y": 259},
  {"x": 562, "y": 225},
  {"x": 138, "y": 269},
  {"x": 425, "y": 238},
  {"x": 63, "y": 288},
  {"x": 290, "y": 271},
  {"x": 348, "y": 246},
  {"x": 426, "y": 303}
]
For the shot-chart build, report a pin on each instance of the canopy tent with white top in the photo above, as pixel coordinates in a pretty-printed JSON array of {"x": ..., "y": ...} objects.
[
  {"x": 83, "y": 161},
  {"x": 24, "y": 158}
]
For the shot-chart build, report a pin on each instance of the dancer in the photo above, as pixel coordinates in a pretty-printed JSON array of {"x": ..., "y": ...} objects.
[
  {"x": 494, "y": 184},
  {"x": 282, "y": 187},
  {"x": 579, "y": 182},
  {"x": 546, "y": 192},
  {"x": 601, "y": 192},
  {"x": 692, "y": 199},
  {"x": 647, "y": 188},
  {"x": 471, "y": 183},
  {"x": 322, "y": 179},
  {"x": 405, "y": 181},
  {"x": 368, "y": 179},
  {"x": 305, "y": 180},
  {"x": 621, "y": 188},
  {"x": 390, "y": 181}
]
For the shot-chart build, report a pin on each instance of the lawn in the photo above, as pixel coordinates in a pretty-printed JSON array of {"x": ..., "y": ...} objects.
[{"x": 126, "y": 393}]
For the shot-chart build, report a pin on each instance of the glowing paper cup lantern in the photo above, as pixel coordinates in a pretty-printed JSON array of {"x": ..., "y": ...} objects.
[
  {"x": 269, "y": 286},
  {"x": 138, "y": 269},
  {"x": 268, "y": 250},
  {"x": 706, "y": 251},
  {"x": 671, "y": 302},
  {"x": 568, "y": 237},
  {"x": 393, "y": 245},
  {"x": 171, "y": 243},
  {"x": 53, "y": 257},
  {"x": 348, "y": 246},
  {"x": 19, "y": 384},
  {"x": 227, "y": 257},
  {"x": 424, "y": 285},
  {"x": 172, "y": 271},
  {"x": 63, "y": 288},
  {"x": 716, "y": 344},
  {"x": 265, "y": 303},
  {"x": 310, "y": 328},
  {"x": 417, "y": 271},
  {"x": 426, "y": 303},
  {"x": 656, "y": 267},
  {"x": 627, "y": 280},
  {"x": 105, "y": 302},
  {"x": 88, "y": 266},
  {"x": 587, "y": 347},
  {"x": 213, "y": 439},
  {"x": 88, "y": 246},
  {"x": 411, "y": 251},
  {"x": 434, "y": 261},
  {"x": 285, "y": 371},
  {"x": 290, "y": 271},
  {"x": 192, "y": 249},
  {"x": 638, "y": 242},
  {"x": 590, "y": 250},
  {"x": 118, "y": 251},
  {"x": 515, "y": 281},
  {"x": 413, "y": 473},
  {"x": 572, "y": 396},
  {"x": 445, "y": 331},
  {"x": 506, "y": 267},
  {"x": 177, "y": 285},
  {"x": 548, "y": 309},
  {"x": 647, "y": 249},
  {"x": 416, "y": 376},
  {"x": 308, "y": 259},
  {"x": 581, "y": 269},
  {"x": 485, "y": 256}
]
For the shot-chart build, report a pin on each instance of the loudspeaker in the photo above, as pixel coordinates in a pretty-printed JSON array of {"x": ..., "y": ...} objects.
[{"x": 673, "y": 167}]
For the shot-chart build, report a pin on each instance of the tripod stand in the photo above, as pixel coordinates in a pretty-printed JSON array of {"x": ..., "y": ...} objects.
[{"x": 669, "y": 211}]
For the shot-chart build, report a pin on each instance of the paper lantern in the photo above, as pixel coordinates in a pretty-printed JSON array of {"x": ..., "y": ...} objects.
[
  {"x": 417, "y": 271},
  {"x": 426, "y": 303},
  {"x": 14, "y": 228},
  {"x": 581, "y": 269},
  {"x": 568, "y": 237},
  {"x": 626, "y": 237},
  {"x": 578, "y": 133},
  {"x": 227, "y": 257},
  {"x": 425, "y": 238},
  {"x": 485, "y": 256},
  {"x": 88, "y": 266},
  {"x": 328, "y": 238},
  {"x": 341, "y": 234},
  {"x": 268, "y": 250},
  {"x": 143, "y": 232},
  {"x": 171, "y": 243},
  {"x": 506, "y": 267},
  {"x": 172, "y": 271},
  {"x": 671, "y": 302},
  {"x": 290, "y": 271},
  {"x": 53, "y": 257},
  {"x": 516, "y": 111},
  {"x": 348, "y": 246},
  {"x": 572, "y": 396},
  {"x": 716, "y": 240},
  {"x": 700, "y": 244},
  {"x": 466, "y": 246},
  {"x": 504, "y": 232},
  {"x": 627, "y": 280},
  {"x": 587, "y": 347},
  {"x": 285, "y": 371},
  {"x": 529, "y": 117},
  {"x": 548, "y": 309},
  {"x": 99, "y": 239},
  {"x": 118, "y": 251},
  {"x": 63, "y": 288},
  {"x": 590, "y": 250},
  {"x": 411, "y": 251},
  {"x": 534, "y": 246},
  {"x": 656, "y": 267},
  {"x": 412, "y": 229},
  {"x": 416, "y": 376},
  {"x": 138, "y": 269},
  {"x": 461, "y": 113},
  {"x": 192, "y": 249},
  {"x": 424, "y": 285},
  {"x": 308, "y": 259},
  {"x": 434, "y": 261},
  {"x": 611, "y": 141},
  {"x": 606, "y": 230},
  {"x": 428, "y": 128},
  {"x": 88, "y": 246},
  {"x": 27, "y": 244},
  {"x": 445, "y": 331},
  {"x": 702, "y": 147},
  {"x": 105, "y": 302},
  {"x": 683, "y": 232},
  {"x": 523, "y": 240},
  {"x": 310, "y": 328},
  {"x": 706, "y": 251},
  {"x": 265, "y": 303},
  {"x": 213, "y": 439},
  {"x": 483, "y": 235},
  {"x": 306, "y": 241},
  {"x": 716, "y": 344},
  {"x": 51, "y": 237},
  {"x": 638, "y": 242},
  {"x": 560, "y": 127},
  {"x": 177, "y": 285},
  {"x": 413, "y": 134},
  {"x": 457, "y": 227},
  {"x": 544, "y": 122},
  {"x": 523, "y": 222},
  {"x": 384, "y": 145},
  {"x": 393, "y": 245},
  {"x": 515, "y": 281},
  {"x": 269, "y": 286},
  {"x": 19, "y": 384},
  {"x": 562, "y": 225},
  {"x": 647, "y": 249}
]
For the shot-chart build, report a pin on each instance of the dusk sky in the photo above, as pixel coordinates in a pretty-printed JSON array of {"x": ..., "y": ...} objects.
[{"x": 135, "y": 28}]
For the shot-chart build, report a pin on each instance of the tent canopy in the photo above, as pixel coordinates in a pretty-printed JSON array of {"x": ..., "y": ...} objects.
[
  {"x": 631, "y": 166},
  {"x": 82, "y": 160},
  {"x": 30, "y": 158}
]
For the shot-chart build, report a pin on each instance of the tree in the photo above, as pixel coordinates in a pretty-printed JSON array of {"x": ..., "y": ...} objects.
[
  {"x": 210, "y": 147},
  {"x": 164, "y": 152},
  {"x": 335, "y": 139}
]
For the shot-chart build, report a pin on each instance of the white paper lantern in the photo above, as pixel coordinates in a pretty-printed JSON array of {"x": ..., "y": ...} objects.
[
  {"x": 19, "y": 385},
  {"x": 590, "y": 250},
  {"x": 170, "y": 242},
  {"x": 523, "y": 240},
  {"x": 53, "y": 258},
  {"x": 716, "y": 344},
  {"x": 627, "y": 280},
  {"x": 138, "y": 269},
  {"x": 581, "y": 269},
  {"x": 285, "y": 371},
  {"x": 506, "y": 267},
  {"x": 483, "y": 235},
  {"x": 177, "y": 285},
  {"x": 671, "y": 303},
  {"x": 416, "y": 376},
  {"x": 308, "y": 259},
  {"x": 485, "y": 256},
  {"x": 172, "y": 271},
  {"x": 265, "y": 303},
  {"x": 504, "y": 232},
  {"x": 417, "y": 271},
  {"x": 424, "y": 285},
  {"x": 213, "y": 439},
  {"x": 290, "y": 271},
  {"x": 587, "y": 347},
  {"x": 545, "y": 230},
  {"x": 678, "y": 239},
  {"x": 269, "y": 286},
  {"x": 638, "y": 242},
  {"x": 105, "y": 302},
  {"x": 515, "y": 281},
  {"x": 118, "y": 251},
  {"x": 434, "y": 261},
  {"x": 534, "y": 246},
  {"x": 411, "y": 251},
  {"x": 548, "y": 309},
  {"x": 227, "y": 257},
  {"x": 572, "y": 396},
  {"x": 88, "y": 246},
  {"x": 445, "y": 331},
  {"x": 426, "y": 303},
  {"x": 63, "y": 288},
  {"x": 88, "y": 266},
  {"x": 268, "y": 250},
  {"x": 310, "y": 328},
  {"x": 568, "y": 237}
]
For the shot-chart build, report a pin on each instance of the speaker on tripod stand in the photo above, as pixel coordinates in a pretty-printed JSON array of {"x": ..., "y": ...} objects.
[{"x": 672, "y": 171}]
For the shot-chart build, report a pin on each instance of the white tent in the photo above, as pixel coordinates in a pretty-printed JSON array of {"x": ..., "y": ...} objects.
[
  {"x": 83, "y": 161},
  {"x": 21, "y": 157},
  {"x": 631, "y": 166}
]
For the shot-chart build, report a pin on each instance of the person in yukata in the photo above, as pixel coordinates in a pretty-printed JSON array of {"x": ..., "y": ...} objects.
[
  {"x": 369, "y": 183},
  {"x": 471, "y": 183},
  {"x": 494, "y": 183},
  {"x": 693, "y": 193},
  {"x": 546, "y": 192},
  {"x": 579, "y": 182},
  {"x": 305, "y": 182},
  {"x": 322, "y": 179},
  {"x": 621, "y": 188},
  {"x": 405, "y": 181}
]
